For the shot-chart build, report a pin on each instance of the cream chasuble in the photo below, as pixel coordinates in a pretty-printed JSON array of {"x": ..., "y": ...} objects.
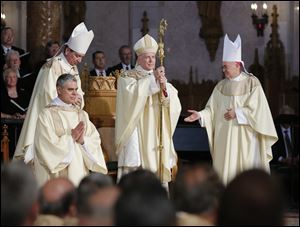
[
  {"x": 239, "y": 144},
  {"x": 43, "y": 93},
  {"x": 137, "y": 122},
  {"x": 57, "y": 154}
]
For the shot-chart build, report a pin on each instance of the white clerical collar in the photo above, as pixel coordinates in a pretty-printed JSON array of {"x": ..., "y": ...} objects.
[
  {"x": 140, "y": 68},
  {"x": 58, "y": 102},
  {"x": 64, "y": 63}
]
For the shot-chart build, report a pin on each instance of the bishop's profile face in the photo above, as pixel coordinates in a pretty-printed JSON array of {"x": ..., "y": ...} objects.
[
  {"x": 147, "y": 61},
  {"x": 73, "y": 57}
]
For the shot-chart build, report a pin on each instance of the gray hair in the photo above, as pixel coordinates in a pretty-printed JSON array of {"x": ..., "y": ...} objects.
[
  {"x": 8, "y": 71},
  {"x": 10, "y": 53},
  {"x": 19, "y": 191},
  {"x": 62, "y": 79}
]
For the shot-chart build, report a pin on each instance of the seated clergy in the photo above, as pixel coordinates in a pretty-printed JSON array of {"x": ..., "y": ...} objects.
[{"x": 66, "y": 143}]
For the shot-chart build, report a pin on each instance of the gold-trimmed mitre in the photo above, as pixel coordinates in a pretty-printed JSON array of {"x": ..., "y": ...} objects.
[{"x": 146, "y": 44}]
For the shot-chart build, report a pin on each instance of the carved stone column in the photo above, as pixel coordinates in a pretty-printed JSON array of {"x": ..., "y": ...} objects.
[
  {"x": 43, "y": 24},
  {"x": 211, "y": 30},
  {"x": 275, "y": 67},
  {"x": 257, "y": 69},
  {"x": 74, "y": 14},
  {"x": 145, "y": 20}
]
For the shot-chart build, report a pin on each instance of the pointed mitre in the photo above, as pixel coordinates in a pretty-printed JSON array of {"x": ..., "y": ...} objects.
[
  {"x": 80, "y": 39},
  {"x": 232, "y": 51},
  {"x": 145, "y": 45}
]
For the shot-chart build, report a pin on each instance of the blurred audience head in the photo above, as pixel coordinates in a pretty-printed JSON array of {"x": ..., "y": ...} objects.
[
  {"x": 57, "y": 196},
  {"x": 286, "y": 117},
  {"x": 12, "y": 60},
  {"x": 7, "y": 36},
  {"x": 125, "y": 54},
  {"x": 10, "y": 77},
  {"x": 96, "y": 197},
  {"x": 141, "y": 180},
  {"x": 252, "y": 198},
  {"x": 19, "y": 192},
  {"x": 99, "y": 59},
  {"x": 143, "y": 201},
  {"x": 197, "y": 190},
  {"x": 52, "y": 48}
]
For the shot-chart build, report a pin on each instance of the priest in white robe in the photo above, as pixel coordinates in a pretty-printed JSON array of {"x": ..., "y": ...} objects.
[
  {"x": 45, "y": 86},
  {"x": 66, "y": 143},
  {"x": 138, "y": 115},
  {"x": 237, "y": 118}
]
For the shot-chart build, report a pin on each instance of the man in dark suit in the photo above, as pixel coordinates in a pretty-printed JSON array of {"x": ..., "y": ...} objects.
[
  {"x": 7, "y": 40},
  {"x": 285, "y": 161},
  {"x": 125, "y": 55},
  {"x": 286, "y": 149},
  {"x": 99, "y": 62}
]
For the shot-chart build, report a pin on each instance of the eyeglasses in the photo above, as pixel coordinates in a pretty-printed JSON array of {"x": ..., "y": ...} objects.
[{"x": 225, "y": 67}]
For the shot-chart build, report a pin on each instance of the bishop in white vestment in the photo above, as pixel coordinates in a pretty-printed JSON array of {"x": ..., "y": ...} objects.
[
  {"x": 138, "y": 115},
  {"x": 45, "y": 86},
  {"x": 66, "y": 143},
  {"x": 237, "y": 118}
]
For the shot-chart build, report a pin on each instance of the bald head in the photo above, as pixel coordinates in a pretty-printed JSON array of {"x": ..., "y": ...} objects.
[
  {"x": 55, "y": 189},
  {"x": 56, "y": 196}
]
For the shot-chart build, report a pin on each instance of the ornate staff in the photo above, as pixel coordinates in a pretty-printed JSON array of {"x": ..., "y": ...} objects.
[{"x": 161, "y": 54}]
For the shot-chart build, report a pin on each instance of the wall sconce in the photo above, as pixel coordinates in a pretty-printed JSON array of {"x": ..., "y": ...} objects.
[
  {"x": 3, "y": 16},
  {"x": 259, "y": 22}
]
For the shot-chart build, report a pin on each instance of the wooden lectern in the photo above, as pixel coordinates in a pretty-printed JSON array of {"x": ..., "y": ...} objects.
[{"x": 100, "y": 103}]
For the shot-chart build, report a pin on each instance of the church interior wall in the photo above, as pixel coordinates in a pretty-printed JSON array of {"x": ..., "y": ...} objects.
[{"x": 119, "y": 22}]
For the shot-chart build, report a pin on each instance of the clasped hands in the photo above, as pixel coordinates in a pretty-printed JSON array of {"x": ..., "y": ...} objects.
[{"x": 78, "y": 133}]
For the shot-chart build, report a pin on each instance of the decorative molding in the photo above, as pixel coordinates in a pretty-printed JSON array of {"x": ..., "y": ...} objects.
[
  {"x": 5, "y": 143},
  {"x": 43, "y": 24},
  {"x": 145, "y": 28},
  {"x": 100, "y": 98},
  {"x": 275, "y": 67},
  {"x": 211, "y": 30},
  {"x": 194, "y": 94},
  {"x": 257, "y": 69},
  {"x": 73, "y": 13}
]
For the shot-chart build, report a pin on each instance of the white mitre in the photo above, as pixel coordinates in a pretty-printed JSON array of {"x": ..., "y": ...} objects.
[
  {"x": 80, "y": 39},
  {"x": 145, "y": 45},
  {"x": 232, "y": 51}
]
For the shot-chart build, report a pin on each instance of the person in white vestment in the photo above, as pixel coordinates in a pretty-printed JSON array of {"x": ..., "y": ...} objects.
[
  {"x": 66, "y": 142},
  {"x": 45, "y": 86},
  {"x": 138, "y": 115},
  {"x": 237, "y": 118}
]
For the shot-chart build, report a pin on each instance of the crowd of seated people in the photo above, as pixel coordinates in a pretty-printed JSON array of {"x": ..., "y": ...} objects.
[{"x": 197, "y": 197}]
